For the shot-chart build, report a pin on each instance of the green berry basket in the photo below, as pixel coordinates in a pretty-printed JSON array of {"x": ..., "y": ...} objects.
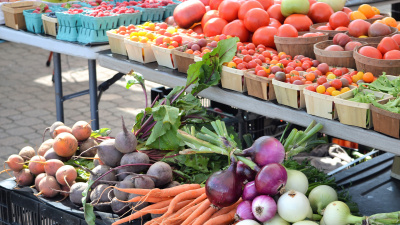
[
  {"x": 66, "y": 33},
  {"x": 151, "y": 14},
  {"x": 99, "y": 23},
  {"x": 69, "y": 20},
  {"x": 92, "y": 36},
  {"x": 33, "y": 21},
  {"x": 127, "y": 19}
]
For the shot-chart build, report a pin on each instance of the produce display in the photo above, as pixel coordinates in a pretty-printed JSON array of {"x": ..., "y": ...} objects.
[{"x": 178, "y": 164}]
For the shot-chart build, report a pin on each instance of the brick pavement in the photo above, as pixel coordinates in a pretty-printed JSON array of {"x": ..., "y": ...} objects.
[{"x": 27, "y": 102}]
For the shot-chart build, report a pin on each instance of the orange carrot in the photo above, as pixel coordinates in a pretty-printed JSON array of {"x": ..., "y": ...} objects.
[
  {"x": 143, "y": 212},
  {"x": 191, "y": 194},
  {"x": 168, "y": 192},
  {"x": 179, "y": 218},
  {"x": 226, "y": 210},
  {"x": 202, "y": 208},
  {"x": 224, "y": 219},
  {"x": 205, "y": 216},
  {"x": 146, "y": 199}
]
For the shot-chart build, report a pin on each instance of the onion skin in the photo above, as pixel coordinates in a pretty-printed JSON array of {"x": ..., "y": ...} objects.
[
  {"x": 244, "y": 172},
  {"x": 271, "y": 179},
  {"x": 243, "y": 211},
  {"x": 296, "y": 181},
  {"x": 264, "y": 208},
  {"x": 249, "y": 191},
  {"x": 276, "y": 220},
  {"x": 266, "y": 150},
  {"x": 248, "y": 222},
  {"x": 338, "y": 213},
  {"x": 306, "y": 222},
  {"x": 224, "y": 188},
  {"x": 321, "y": 196},
  {"x": 293, "y": 206}
]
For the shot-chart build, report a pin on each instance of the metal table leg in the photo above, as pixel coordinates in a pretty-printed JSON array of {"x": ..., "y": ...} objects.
[
  {"x": 58, "y": 86},
  {"x": 94, "y": 110}
]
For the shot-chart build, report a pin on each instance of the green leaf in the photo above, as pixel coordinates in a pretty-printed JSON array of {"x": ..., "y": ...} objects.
[
  {"x": 194, "y": 71},
  {"x": 133, "y": 78},
  {"x": 226, "y": 50},
  {"x": 138, "y": 121},
  {"x": 90, "y": 217},
  {"x": 166, "y": 114},
  {"x": 197, "y": 162},
  {"x": 103, "y": 132}
]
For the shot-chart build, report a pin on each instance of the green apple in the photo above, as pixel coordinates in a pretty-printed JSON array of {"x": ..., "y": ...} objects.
[
  {"x": 337, "y": 5},
  {"x": 289, "y": 7}
]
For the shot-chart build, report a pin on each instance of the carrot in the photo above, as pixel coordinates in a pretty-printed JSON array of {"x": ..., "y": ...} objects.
[
  {"x": 168, "y": 192},
  {"x": 205, "y": 216},
  {"x": 191, "y": 194},
  {"x": 146, "y": 199},
  {"x": 143, "y": 212},
  {"x": 203, "y": 207},
  {"x": 226, "y": 210},
  {"x": 223, "y": 219},
  {"x": 179, "y": 218}
]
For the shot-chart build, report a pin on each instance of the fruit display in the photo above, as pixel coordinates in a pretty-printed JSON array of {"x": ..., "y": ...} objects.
[{"x": 43, "y": 8}]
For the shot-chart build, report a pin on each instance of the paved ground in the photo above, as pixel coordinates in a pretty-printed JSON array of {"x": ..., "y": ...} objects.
[{"x": 27, "y": 102}]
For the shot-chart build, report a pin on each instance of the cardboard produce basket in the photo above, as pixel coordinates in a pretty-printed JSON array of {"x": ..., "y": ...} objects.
[
  {"x": 183, "y": 60},
  {"x": 260, "y": 87},
  {"x": 320, "y": 105},
  {"x": 290, "y": 94},
  {"x": 50, "y": 25},
  {"x": 386, "y": 122},
  {"x": 164, "y": 57},
  {"x": 140, "y": 52},
  {"x": 117, "y": 44},
  {"x": 356, "y": 113},
  {"x": 233, "y": 79},
  {"x": 13, "y": 13}
]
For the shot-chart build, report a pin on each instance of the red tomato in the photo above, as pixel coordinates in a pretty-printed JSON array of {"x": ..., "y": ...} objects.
[
  {"x": 371, "y": 52},
  {"x": 342, "y": 29},
  {"x": 347, "y": 10},
  {"x": 214, "y": 27},
  {"x": 274, "y": 23},
  {"x": 320, "y": 12},
  {"x": 265, "y": 36},
  {"x": 209, "y": 15},
  {"x": 339, "y": 19},
  {"x": 236, "y": 28},
  {"x": 198, "y": 29},
  {"x": 214, "y": 4},
  {"x": 177, "y": 39},
  {"x": 228, "y": 10},
  {"x": 266, "y": 3},
  {"x": 299, "y": 21},
  {"x": 396, "y": 37},
  {"x": 246, "y": 6},
  {"x": 358, "y": 27},
  {"x": 189, "y": 12},
  {"x": 321, "y": 80},
  {"x": 393, "y": 54},
  {"x": 324, "y": 28},
  {"x": 287, "y": 30},
  {"x": 387, "y": 44},
  {"x": 256, "y": 18},
  {"x": 205, "y": 2},
  {"x": 275, "y": 12},
  {"x": 336, "y": 83}
]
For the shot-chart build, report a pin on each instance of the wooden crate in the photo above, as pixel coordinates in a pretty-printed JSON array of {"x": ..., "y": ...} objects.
[
  {"x": 355, "y": 113},
  {"x": 183, "y": 60},
  {"x": 164, "y": 57},
  {"x": 298, "y": 45},
  {"x": 376, "y": 66},
  {"x": 290, "y": 94},
  {"x": 13, "y": 13},
  {"x": 117, "y": 44},
  {"x": 386, "y": 122},
  {"x": 50, "y": 25},
  {"x": 260, "y": 87},
  {"x": 140, "y": 52},
  {"x": 233, "y": 79}
]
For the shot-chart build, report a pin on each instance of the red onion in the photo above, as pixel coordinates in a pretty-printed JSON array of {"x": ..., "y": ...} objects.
[
  {"x": 264, "y": 208},
  {"x": 244, "y": 172},
  {"x": 266, "y": 150},
  {"x": 271, "y": 179},
  {"x": 249, "y": 191},
  {"x": 224, "y": 188},
  {"x": 243, "y": 211}
]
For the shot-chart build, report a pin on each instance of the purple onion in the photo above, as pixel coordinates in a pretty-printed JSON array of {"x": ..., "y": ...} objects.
[
  {"x": 243, "y": 211},
  {"x": 271, "y": 179},
  {"x": 249, "y": 191},
  {"x": 244, "y": 172},
  {"x": 266, "y": 150},
  {"x": 224, "y": 188},
  {"x": 263, "y": 208}
]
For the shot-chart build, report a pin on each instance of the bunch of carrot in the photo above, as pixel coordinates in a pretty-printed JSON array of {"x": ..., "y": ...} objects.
[{"x": 185, "y": 204}]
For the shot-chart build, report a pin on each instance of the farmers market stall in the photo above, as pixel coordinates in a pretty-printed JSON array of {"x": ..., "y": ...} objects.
[{"x": 179, "y": 164}]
